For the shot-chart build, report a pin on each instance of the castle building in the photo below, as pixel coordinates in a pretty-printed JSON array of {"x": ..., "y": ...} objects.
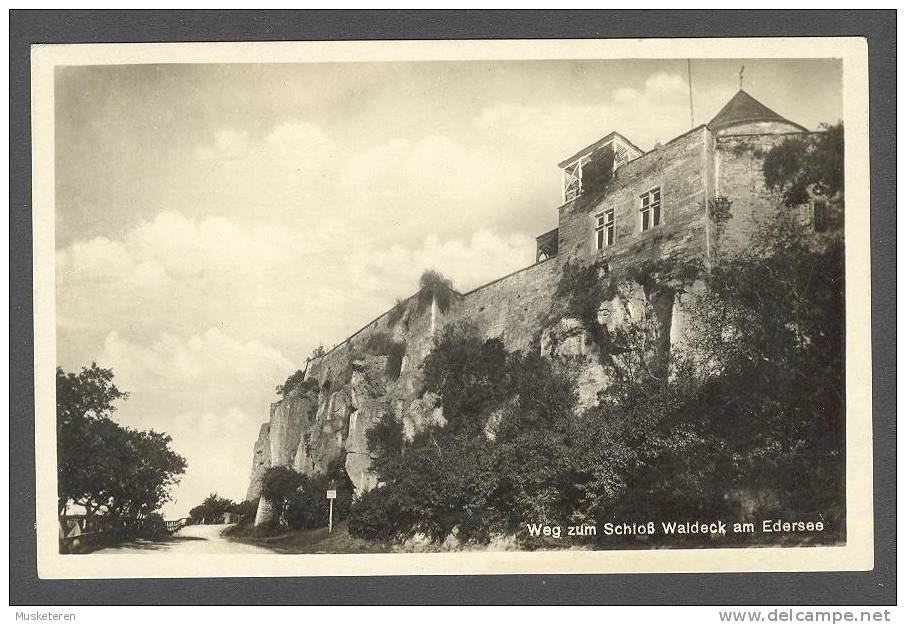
[{"x": 655, "y": 204}]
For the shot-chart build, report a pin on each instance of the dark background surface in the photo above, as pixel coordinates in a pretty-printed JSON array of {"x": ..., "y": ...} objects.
[{"x": 872, "y": 587}]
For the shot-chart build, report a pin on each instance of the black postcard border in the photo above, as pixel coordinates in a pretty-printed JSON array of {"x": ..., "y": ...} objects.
[{"x": 876, "y": 587}]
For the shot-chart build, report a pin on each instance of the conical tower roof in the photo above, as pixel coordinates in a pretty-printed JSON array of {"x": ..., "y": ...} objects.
[{"x": 744, "y": 109}]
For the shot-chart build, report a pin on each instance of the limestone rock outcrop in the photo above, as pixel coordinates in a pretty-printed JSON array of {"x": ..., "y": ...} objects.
[
  {"x": 421, "y": 413},
  {"x": 323, "y": 424},
  {"x": 265, "y": 513},
  {"x": 312, "y": 431},
  {"x": 570, "y": 342},
  {"x": 261, "y": 460},
  {"x": 322, "y": 444},
  {"x": 289, "y": 419}
]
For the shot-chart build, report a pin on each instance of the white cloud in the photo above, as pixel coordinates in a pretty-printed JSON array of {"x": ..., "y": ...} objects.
[
  {"x": 666, "y": 85},
  {"x": 645, "y": 116},
  {"x": 209, "y": 360},
  {"x": 626, "y": 94},
  {"x": 258, "y": 282},
  {"x": 298, "y": 136},
  {"x": 226, "y": 144},
  {"x": 148, "y": 274},
  {"x": 469, "y": 263},
  {"x": 230, "y": 140},
  {"x": 209, "y": 391},
  {"x": 96, "y": 258},
  {"x": 398, "y": 189}
]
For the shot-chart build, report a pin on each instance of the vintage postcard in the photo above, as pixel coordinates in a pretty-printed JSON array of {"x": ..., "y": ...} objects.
[{"x": 452, "y": 307}]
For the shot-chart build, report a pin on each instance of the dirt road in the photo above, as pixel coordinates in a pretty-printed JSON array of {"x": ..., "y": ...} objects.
[{"x": 190, "y": 539}]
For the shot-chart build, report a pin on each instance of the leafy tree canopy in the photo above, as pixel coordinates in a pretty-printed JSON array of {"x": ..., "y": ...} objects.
[
  {"x": 434, "y": 286},
  {"x": 468, "y": 372},
  {"x": 803, "y": 165},
  {"x": 297, "y": 380},
  {"x": 212, "y": 508},
  {"x": 103, "y": 466},
  {"x": 89, "y": 394}
]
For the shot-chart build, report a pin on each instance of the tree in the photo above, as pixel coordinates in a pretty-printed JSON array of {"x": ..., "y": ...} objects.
[
  {"x": 297, "y": 380},
  {"x": 386, "y": 442},
  {"x": 212, "y": 508},
  {"x": 469, "y": 373},
  {"x": 147, "y": 475},
  {"x": 308, "y": 507},
  {"x": 279, "y": 484},
  {"x": 397, "y": 312},
  {"x": 457, "y": 476},
  {"x": 812, "y": 164},
  {"x": 83, "y": 399},
  {"x": 771, "y": 363},
  {"x": 246, "y": 510},
  {"x": 88, "y": 394},
  {"x": 434, "y": 290},
  {"x": 107, "y": 468}
]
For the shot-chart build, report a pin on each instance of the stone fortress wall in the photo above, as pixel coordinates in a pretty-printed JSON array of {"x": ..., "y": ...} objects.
[
  {"x": 508, "y": 308},
  {"x": 308, "y": 432}
]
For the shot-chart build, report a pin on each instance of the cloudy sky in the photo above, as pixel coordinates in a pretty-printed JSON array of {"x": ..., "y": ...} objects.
[{"x": 215, "y": 223}]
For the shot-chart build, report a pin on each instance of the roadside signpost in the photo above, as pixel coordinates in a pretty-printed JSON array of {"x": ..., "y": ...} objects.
[{"x": 331, "y": 495}]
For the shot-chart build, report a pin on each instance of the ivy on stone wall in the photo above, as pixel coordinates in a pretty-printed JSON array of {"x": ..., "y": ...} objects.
[
  {"x": 742, "y": 148},
  {"x": 598, "y": 172},
  {"x": 583, "y": 288},
  {"x": 719, "y": 212},
  {"x": 382, "y": 344},
  {"x": 297, "y": 380},
  {"x": 396, "y": 313}
]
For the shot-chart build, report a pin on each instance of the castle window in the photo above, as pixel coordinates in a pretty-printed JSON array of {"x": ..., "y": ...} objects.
[
  {"x": 650, "y": 210},
  {"x": 604, "y": 230},
  {"x": 819, "y": 215},
  {"x": 572, "y": 179},
  {"x": 612, "y": 151}
]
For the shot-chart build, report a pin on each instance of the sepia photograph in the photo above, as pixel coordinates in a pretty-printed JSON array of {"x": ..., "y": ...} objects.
[{"x": 464, "y": 307}]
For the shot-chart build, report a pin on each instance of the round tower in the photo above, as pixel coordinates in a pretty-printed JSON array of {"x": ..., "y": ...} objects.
[{"x": 744, "y": 115}]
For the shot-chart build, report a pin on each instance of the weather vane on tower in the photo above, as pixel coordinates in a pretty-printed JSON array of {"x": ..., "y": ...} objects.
[{"x": 741, "y": 70}]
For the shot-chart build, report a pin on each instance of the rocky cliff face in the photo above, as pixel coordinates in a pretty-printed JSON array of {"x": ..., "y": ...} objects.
[
  {"x": 261, "y": 460},
  {"x": 313, "y": 431},
  {"x": 658, "y": 315}
]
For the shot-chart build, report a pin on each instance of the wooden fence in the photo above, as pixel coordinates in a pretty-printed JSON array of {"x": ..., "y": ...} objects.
[
  {"x": 80, "y": 531},
  {"x": 175, "y": 526}
]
